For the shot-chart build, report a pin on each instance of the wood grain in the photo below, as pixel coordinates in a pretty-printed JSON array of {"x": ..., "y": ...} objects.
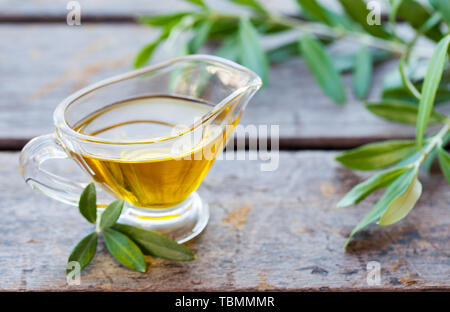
[
  {"x": 47, "y": 62},
  {"x": 113, "y": 8},
  {"x": 268, "y": 231}
]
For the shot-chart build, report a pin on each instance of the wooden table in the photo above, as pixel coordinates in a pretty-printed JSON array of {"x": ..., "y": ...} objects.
[{"x": 268, "y": 230}]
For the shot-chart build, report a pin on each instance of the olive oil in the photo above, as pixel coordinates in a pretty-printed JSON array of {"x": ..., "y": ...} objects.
[{"x": 153, "y": 175}]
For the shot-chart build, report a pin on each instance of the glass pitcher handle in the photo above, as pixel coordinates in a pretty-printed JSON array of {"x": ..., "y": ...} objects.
[{"x": 34, "y": 154}]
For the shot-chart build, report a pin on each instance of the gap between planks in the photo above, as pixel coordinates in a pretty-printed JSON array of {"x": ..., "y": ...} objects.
[{"x": 285, "y": 144}]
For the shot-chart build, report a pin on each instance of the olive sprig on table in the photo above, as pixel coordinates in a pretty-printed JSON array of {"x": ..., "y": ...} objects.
[
  {"x": 259, "y": 36},
  {"x": 127, "y": 244},
  {"x": 402, "y": 157}
]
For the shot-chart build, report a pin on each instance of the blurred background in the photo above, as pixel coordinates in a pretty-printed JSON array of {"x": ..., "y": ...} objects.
[{"x": 43, "y": 60}]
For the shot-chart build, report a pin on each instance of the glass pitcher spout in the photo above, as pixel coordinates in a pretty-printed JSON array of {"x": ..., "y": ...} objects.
[{"x": 223, "y": 84}]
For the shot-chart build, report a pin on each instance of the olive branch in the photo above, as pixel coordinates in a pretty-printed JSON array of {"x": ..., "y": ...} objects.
[
  {"x": 410, "y": 95},
  {"x": 127, "y": 244}
]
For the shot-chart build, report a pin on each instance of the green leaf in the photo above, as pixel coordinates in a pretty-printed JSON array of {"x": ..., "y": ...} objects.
[
  {"x": 376, "y": 182},
  {"x": 393, "y": 87},
  {"x": 444, "y": 162},
  {"x": 84, "y": 251},
  {"x": 395, "y": 4},
  {"x": 339, "y": 20},
  {"x": 88, "y": 203},
  {"x": 322, "y": 68},
  {"x": 416, "y": 15},
  {"x": 402, "y": 112},
  {"x": 430, "y": 85},
  {"x": 146, "y": 53},
  {"x": 111, "y": 214},
  {"x": 397, "y": 188},
  {"x": 252, "y": 54},
  {"x": 253, "y": 4},
  {"x": 431, "y": 22},
  {"x": 429, "y": 160},
  {"x": 377, "y": 155},
  {"x": 200, "y": 3},
  {"x": 283, "y": 53},
  {"x": 124, "y": 250},
  {"x": 363, "y": 72},
  {"x": 163, "y": 20},
  {"x": 230, "y": 48},
  {"x": 224, "y": 27},
  {"x": 201, "y": 32},
  {"x": 402, "y": 204},
  {"x": 344, "y": 63},
  {"x": 358, "y": 11},
  {"x": 405, "y": 79},
  {"x": 155, "y": 244},
  {"x": 315, "y": 10},
  {"x": 443, "y": 6},
  {"x": 168, "y": 23}
]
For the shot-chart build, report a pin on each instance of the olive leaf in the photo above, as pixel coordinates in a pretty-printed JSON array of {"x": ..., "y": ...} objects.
[
  {"x": 339, "y": 20},
  {"x": 405, "y": 79},
  {"x": 201, "y": 32},
  {"x": 229, "y": 49},
  {"x": 429, "y": 159},
  {"x": 283, "y": 53},
  {"x": 345, "y": 62},
  {"x": 443, "y": 6},
  {"x": 252, "y": 54},
  {"x": 359, "y": 12},
  {"x": 155, "y": 244},
  {"x": 122, "y": 247},
  {"x": 363, "y": 72},
  {"x": 396, "y": 189},
  {"x": 223, "y": 28},
  {"x": 200, "y": 3},
  {"x": 124, "y": 250},
  {"x": 253, "y": 4},
  {"x": 362, "y": 190},
  {"x": 162, "y": 20},
  {"x": 400, "y": 111},
  {"x": 403, "y": 204},
  {"x": 393, "y": 87},
  {"x": 168, "y": 23},
  {"x": 377, "y": 155},
  {"x": 111, "y": 214},
  {"x": 314, "y": 9},
  {"x": 84, "y": 251},
  {"x": 87, "y": 204},
  {"x": 322, "y": 68},
  {"x": 444, "y": 162},
  {"x": 146, "y": 53},
  {"x": 430, "y": 85},
  {"x": 416, "y": 15},
  {"x": 395, "y": 4}
]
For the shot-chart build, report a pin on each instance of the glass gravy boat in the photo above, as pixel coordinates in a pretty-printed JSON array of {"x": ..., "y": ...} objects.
[{"x": 158, "y": 172}]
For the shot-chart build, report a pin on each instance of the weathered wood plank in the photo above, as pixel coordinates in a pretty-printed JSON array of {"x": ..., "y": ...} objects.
[
  {"x": 268, "y": 231},
  {"x": 47, "y": 62},
  {"x": 111, "y": 8}
]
